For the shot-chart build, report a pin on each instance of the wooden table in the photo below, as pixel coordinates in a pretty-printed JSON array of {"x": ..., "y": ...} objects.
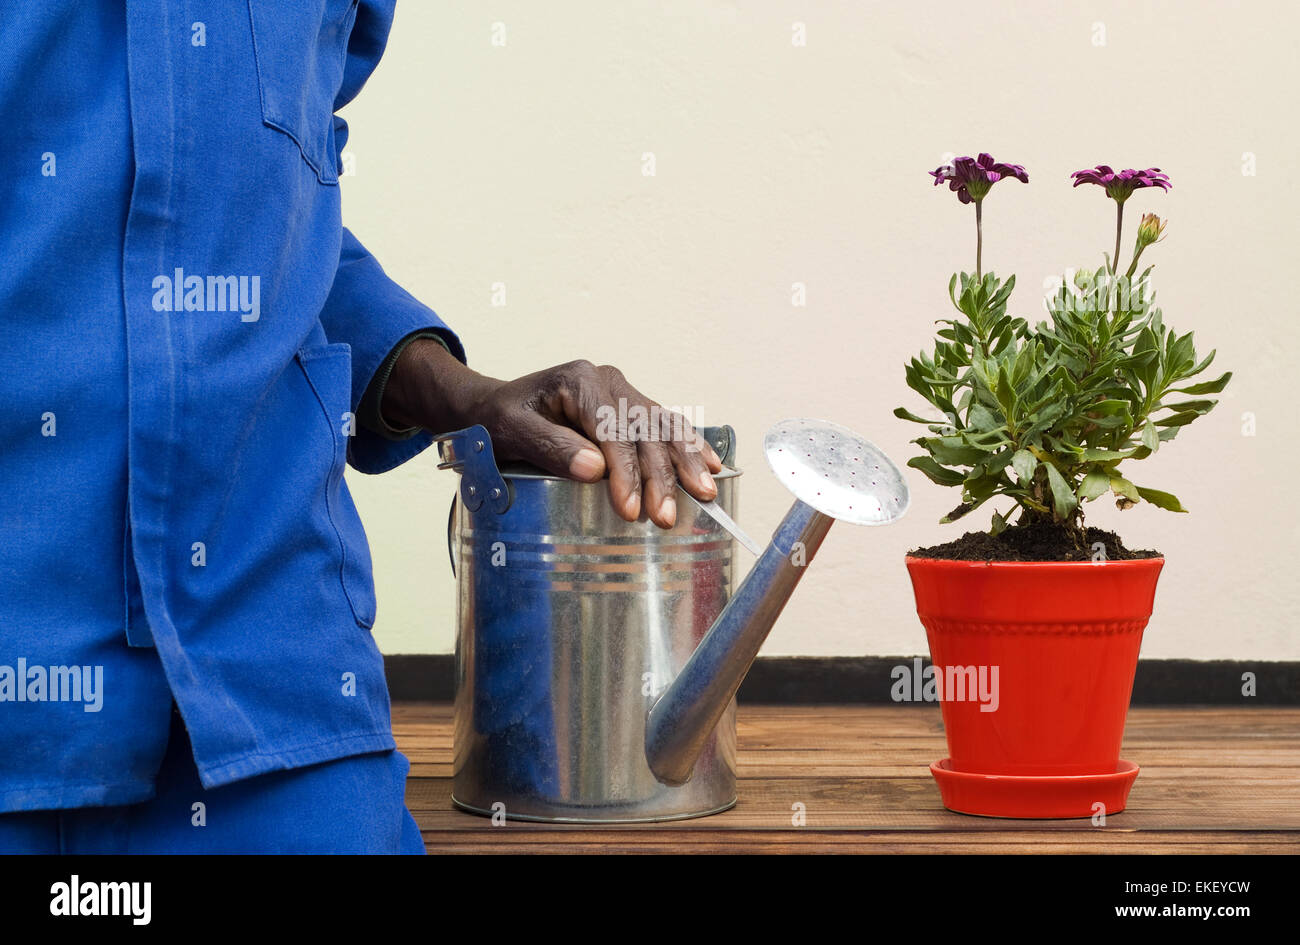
[{"x": 1214, "y": 780}]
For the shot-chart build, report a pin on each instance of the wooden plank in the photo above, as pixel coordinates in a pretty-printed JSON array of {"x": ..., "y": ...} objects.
[
  {"x": 1222, "y": 779},
  {"x": 842, "y": 724},
  {"x": 507, "y": 840},
  {"x": 1150, "y": 772},
  {"x": 1177, "y": 715},
  {"x": 1275, "y": 797},
  {"x": 917, "y": 806},
  {"x": 746, "y": 846}
]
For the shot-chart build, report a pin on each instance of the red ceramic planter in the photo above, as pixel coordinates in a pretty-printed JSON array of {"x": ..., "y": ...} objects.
[{"x": 1035, "y": 662}]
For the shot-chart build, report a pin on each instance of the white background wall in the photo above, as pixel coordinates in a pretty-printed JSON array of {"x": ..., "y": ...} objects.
[{"x": 778, "y": 164}]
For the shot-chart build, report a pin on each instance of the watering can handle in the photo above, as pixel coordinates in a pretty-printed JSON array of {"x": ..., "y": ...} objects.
[
  {"x": 451, "y": 535},
  {"x": 470, "y": 451},
  {"x": 723, "y": 441}
]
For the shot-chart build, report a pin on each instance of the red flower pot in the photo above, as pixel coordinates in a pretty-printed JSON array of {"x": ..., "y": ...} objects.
[{"x": 1034, "y": 666}]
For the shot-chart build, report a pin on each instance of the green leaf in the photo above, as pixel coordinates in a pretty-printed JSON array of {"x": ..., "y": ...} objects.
[
  {"x": 1006, "y": 394},
  {"x": 952, "y": 451},
  {"x": 991, "y": 440},
  {"x": 1182, "y": 356},
  {"x": 961, "y": 511},
  {"x": 1178, "y": 419},
  {"x": 981, "y": 487},
  {"x": 904, "y": 414},
  {"x": 1024, "y": 463},
  {"x": 1122, "y": 487},
  {"x": 1004, "y": 293},
  {"x": 1107, "y": 407},
  {"x": 1150, "y": 437},
  {"x": 1214, "y": 386},
  {"x": 956, "y": 513},
  {"x": 982, "y": 419},
  {"x": 999, "y": 525},
  {"x": 1092, "y": 455},
  {"x": 1022, "y": 365},
  {"x": 1200, "y": 407},
  {"x": 1197, "y": 369},
  {"x": 993, "y": 463},
  {"x": 1163, "y": 500},
  {"x": 937, "y": 473},
  {"x": 1063, "y": 500},
  {"x": 1093, "y": 485}
]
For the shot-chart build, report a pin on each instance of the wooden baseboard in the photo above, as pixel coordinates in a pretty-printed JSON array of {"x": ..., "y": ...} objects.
[{"x": 814, "y": 680}]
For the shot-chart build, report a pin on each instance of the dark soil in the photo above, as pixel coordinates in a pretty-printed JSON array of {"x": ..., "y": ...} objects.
[{"x": 1037, "y": 541}]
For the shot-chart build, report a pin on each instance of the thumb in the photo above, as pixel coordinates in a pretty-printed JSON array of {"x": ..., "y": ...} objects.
[{"x": 557, "y": 449}]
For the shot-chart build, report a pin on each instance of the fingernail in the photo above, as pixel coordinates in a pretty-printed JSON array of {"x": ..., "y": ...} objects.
[
  {"x": 668, "y": 510},
  {"x": 632, "y": 507},
  {"x": 586, "y": 464},
  {"x": 707, "y": 484}
]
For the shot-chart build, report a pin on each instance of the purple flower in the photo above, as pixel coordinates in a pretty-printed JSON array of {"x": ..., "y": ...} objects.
[
  {"x": 971, "y": 177},
  {"x": 1119, "y": 185}
]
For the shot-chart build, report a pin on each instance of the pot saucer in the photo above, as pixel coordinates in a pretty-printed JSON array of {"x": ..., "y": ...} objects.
[{"x": 1034, "y": 797}]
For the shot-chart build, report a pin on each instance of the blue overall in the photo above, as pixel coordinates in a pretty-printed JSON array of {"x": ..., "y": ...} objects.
[{"x": 188, "y": 331}]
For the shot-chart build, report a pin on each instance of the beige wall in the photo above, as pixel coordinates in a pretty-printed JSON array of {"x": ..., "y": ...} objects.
[{"x": 778, "y": 164}]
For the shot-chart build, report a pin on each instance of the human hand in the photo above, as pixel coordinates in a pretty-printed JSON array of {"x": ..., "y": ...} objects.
[{"x": 562, "y": 420}]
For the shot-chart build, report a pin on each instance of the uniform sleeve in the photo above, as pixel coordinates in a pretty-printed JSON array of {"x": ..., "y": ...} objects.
[
  {"x": 371, "y": 414},
  {"x": 365, "y": 308}
]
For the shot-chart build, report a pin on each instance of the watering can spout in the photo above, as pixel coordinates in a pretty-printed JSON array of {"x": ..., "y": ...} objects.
[
  {"x": 682, "y": 719},
  {"x": 834, "y": 474}
]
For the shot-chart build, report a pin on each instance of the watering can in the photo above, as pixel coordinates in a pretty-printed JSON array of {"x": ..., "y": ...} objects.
[{"x": 597, "y": 660}]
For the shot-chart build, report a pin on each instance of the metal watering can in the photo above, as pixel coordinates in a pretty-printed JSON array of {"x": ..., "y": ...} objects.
[{"x": 597, "y": 660}]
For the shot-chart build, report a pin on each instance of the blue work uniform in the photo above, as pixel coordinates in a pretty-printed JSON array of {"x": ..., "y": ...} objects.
[{"x": 189, "y": 332}]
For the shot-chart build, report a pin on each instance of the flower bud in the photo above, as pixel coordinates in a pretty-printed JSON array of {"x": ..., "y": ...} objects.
[{"x": 1151, "y": 229}]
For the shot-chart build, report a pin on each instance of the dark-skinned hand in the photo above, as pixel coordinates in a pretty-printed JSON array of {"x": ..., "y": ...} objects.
[{"x": 552, "y": 419}]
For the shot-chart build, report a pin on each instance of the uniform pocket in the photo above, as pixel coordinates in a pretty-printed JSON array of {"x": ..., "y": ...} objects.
[
  {"x": 328, "y": 370},
  {"x": 300, "y": 47}
]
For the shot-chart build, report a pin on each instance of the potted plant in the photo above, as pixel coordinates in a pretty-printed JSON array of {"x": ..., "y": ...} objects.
[{"x": 1034, "y": 626}]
